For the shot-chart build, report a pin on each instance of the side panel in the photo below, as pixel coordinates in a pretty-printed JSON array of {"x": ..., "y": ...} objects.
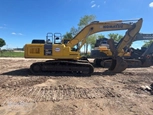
[
  {"x": 63, "y": 52},
  {"x": 50, "y": 51},
  {"x": 34, "y": 50}
]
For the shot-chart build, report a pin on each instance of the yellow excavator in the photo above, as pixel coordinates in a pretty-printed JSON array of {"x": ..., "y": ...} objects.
[
  {"x": 66, "y": 57},
  {"x": 102, "y": 54}
]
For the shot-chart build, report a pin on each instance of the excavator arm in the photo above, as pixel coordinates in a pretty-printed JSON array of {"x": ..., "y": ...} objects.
[
  {"x": 127, "y": 40},
  {"x": 142, "y": 36},
  {"x": 118, "y": 64},
  {"x": 97, "y": 26}
]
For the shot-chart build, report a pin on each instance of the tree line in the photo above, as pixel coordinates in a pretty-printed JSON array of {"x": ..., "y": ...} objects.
[{"x": 2, "y": 43}]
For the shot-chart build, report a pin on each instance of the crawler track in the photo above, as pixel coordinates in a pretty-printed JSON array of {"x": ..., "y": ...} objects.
[
  {"x": 132, "y": 63},
  {"x": 81, "y": 67}
]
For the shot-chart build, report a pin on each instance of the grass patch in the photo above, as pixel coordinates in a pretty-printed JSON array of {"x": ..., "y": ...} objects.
[{"x": 11, "y": 54}]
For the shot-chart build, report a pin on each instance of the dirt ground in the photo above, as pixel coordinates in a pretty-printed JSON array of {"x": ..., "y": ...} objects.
[{"x": 103, "y": 93}]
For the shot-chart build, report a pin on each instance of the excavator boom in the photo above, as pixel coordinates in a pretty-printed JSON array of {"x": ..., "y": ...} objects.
[{"x": 97, "y": 26}]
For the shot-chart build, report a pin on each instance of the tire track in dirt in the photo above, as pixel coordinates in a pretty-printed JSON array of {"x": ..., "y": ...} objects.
[
  {"x": 22, "y": 82},
  {"x": 43, "y": 94},
  {"x": 3, "y": 80}
]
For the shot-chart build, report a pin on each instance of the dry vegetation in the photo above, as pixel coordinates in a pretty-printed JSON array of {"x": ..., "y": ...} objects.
[{"x": 103, "y": 93}]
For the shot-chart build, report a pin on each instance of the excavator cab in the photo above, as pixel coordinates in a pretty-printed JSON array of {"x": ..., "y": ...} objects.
[
  {"x": 53, "y": 38},
  {"x": 50, "y": 40}
]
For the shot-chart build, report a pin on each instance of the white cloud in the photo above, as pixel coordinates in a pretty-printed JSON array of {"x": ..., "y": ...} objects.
[
  {"x": 93, "y": 5},
  {"x": 151, "y": 5},
  {"x": 98, "y": 6},
  {"x": 1, "y": 27},
  {"x": 13, "y": 33},
  {"x": 20, "y": 34},
  {"x": 104, "y": 2},
  {"x": 92, "y": 2}
]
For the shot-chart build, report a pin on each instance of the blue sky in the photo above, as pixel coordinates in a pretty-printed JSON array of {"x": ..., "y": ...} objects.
[{"x": 24, "y": 20}]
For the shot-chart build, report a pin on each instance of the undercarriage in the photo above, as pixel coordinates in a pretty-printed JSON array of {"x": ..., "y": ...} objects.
[{"x": 81, "y": 67}]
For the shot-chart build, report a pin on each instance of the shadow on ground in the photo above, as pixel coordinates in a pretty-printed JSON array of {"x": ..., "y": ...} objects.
[
  {"x": 18, "y": 72},
  {"x": 26, "y": 72},
  {"x": 106, "y": 72}
]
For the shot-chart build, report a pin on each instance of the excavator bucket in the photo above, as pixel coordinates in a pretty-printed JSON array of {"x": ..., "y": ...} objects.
[{"x": 118, "y": 65}]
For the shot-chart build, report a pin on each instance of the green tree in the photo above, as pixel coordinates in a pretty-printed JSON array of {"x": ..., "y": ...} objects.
[
  {"x": 100, "y": 36},
  {"x": 115, "y": 37},
  {"x": 74, "y": 31},
  {"x": 68, "y": 36},
  {"x": 147, "y": 43},
  {"x": 92, "y": 40},
  {"x": 85, "y": 20},
  {"x": 2, "y": 43}
]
